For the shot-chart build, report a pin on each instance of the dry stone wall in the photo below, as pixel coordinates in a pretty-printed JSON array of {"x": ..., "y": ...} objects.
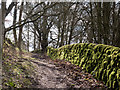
[{"x": 102, "y": 61}]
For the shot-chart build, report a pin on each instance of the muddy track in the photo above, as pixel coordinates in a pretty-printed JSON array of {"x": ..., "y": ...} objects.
[
  {"x": 48, "y": 75},
  {"x": 60, "y": 74}
]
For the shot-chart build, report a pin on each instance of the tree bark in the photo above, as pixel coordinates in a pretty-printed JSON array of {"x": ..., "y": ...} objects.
[
  {"x": 58, "y": 35},
  {"x": 73, "y": 16},
  {"x": 44, "y": 41},
  {"x": 118, "y": 29},
  {"x": 20, "y": 28},
  {"x": 92, "y": 25},
  {"x": 28, "y": 37},
  {"x": 99, "y": 23},
  {"x": 14, "y": 21},
  {"x": 2, "y": 21},
  {"x": 63, "y": 30},
  {"x": 106, "y": 21},
  {"x": 71, "y": 30},
  {"x": 34, "y": 40},
  {"x": 1, "y": 40}
]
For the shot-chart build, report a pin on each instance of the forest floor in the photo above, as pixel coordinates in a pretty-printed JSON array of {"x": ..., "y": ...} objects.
[{"x": 38, "y": 71}]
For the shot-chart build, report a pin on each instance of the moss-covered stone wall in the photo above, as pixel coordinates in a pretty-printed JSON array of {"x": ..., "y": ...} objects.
[{"x": 102, "y": 61}]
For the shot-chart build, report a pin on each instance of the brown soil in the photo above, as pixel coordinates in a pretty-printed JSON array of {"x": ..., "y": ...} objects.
[{"x": 61, "y": 74}]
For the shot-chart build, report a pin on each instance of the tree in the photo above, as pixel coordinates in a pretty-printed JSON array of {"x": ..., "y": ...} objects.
[
  {"x": 99, "y": 22},
  {"x": 2, "y": 21},
  {"x": 14, "y": 21},
  {"x": 1, "y": 39},
  {"x": 21, "y": 27},
  {"x": 92, "y": 22},
  {"x": 117, "y": 43},
  {"x": 106, "y": 21}
]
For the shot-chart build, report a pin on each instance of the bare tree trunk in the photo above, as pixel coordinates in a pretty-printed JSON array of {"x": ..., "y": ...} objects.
[
  {"x": 66, "y": 37},
  {"x": 2, "y": 21},
  {"x": 58, "y": 37},
  {"x": 118, "y": 29},
  {"x": 92, "y": 25},
  {"x": 20, "y": 29},
  {"x": 59, "y": 28},
  {"x": 99, "y": 23},
  {"x": 35, "y": 40},
  {"x": 106, "y": 20},
  {"x": 28, "y": 38},
  {"x": 114, "y": 29},
  {"x": 72, "y": 24},
  {"x": 1, "y": 41},
  {"x": 71, "y": 30},
  {"x": 14, "y": 21},
  {"x": 39, "y": 42},
  {"x": 44, "y": 41},
  {"x": 63, "y": 31},
  {"x": 7, "y": 11}
]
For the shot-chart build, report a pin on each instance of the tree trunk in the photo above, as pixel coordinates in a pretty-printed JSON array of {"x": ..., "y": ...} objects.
[
  {"x": 99, "y": 23},
  {"x": 39, "y": 44},
  {"x": 14, "y": 21},
  {"x": 58, "y": 37},
  {"x": 73, "y": 16},
  {"x": 118, "y": 29},
  {"x": 28, "y": 38},
  {"x": 1, "y": 41},
  {"x": 106, "y": 21},
  {"x": 59, "y": 29},
  {"x": 92, "y": 25},
  {"x": 44, "y": 41},
  {"x": 63, "y": 30},
  {"x": 71, "y": 30},
  {"x": 20, "y": 28},
  {"x": 35, "y": 40},
  {"x": 2, "y": 21},
  {"x": 39, "y": 40},
  {"x": 66, "y": 37},
  {"x": 114, "y": 29}
]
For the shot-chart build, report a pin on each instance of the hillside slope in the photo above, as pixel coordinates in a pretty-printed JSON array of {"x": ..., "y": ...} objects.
[
  {"x": 18, "y": 71},
  {"x": 36, "y": 71}
]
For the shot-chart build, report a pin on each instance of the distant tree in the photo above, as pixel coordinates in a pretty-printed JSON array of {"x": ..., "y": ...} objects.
[
  {"x": 21, "y": 27},
  {"x": 92, "y": 22},
  {"x": 14, "y": 21}
]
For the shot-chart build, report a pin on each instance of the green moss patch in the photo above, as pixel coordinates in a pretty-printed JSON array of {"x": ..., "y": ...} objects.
[{"x": 103, "y": 61}]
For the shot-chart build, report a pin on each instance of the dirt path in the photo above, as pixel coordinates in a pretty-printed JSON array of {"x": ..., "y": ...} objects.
[
  {"x": 48, "y": 75},
  {"x": 60, "y": 74}
]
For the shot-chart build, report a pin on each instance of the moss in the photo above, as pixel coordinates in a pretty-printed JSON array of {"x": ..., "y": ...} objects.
[
  {"x": 82, "y": 61},
  {"x": 96, "y": 56},
  {"x": 112, "y": 75},
  {"x": 100, "y": 73},
  {"x": 104, "y": 64},
  {"x": 114, "y": 84},
  {"x": 118, "y": 74},
  {"x": 104, "y": 77},
  {"x": 100, "y": 60}
]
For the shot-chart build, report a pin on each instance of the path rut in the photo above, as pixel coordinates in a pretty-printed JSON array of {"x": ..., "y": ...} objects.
[{"x": 51, "y": 75}]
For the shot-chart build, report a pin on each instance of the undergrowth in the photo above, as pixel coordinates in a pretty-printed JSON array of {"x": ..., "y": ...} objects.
[{"x": 17, "y": 71}]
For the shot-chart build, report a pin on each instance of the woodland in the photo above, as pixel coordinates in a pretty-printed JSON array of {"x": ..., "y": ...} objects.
[{"x": 60, "y": 45}]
